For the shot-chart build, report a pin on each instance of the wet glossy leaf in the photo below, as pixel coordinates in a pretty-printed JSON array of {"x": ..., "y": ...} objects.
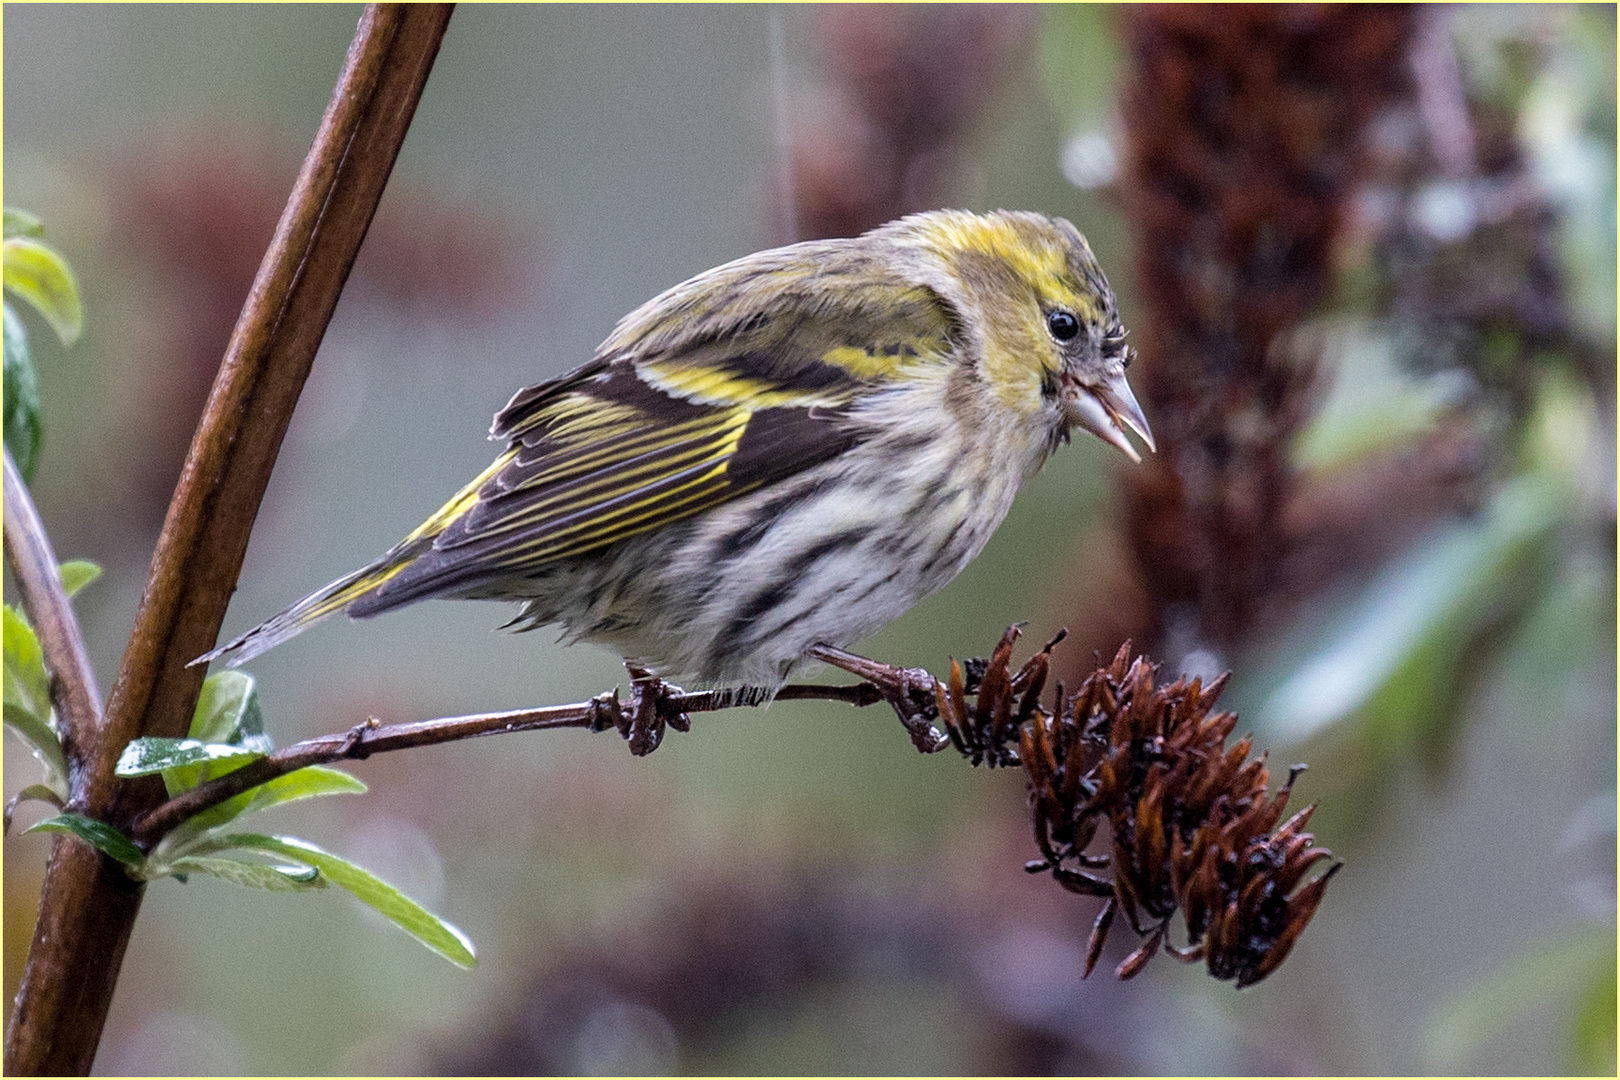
[
  {"x": 27, "y": 683},
  {"x": 253, "y": 875},
  {"x": 228, "y": 711},
  {"x": 98, "y": 834},
  {"x": 144, "y": 756},
  {"x": 227, "y": 715},
  {"x": 28, "y": 699},
  {"x": 41, "y": 739}
]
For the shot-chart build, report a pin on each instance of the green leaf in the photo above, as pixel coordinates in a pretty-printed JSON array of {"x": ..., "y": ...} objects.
[
  {"x": 37, "y": 274},
  {"x": 310, "y": 782},
  {"x": 22, "y": 223},
  {"x": 252, "y": 874},
  {"x": 77, "y": 574},
  {"x": 1079, "y": 51},
  {"x": 152, "y": 754},
  {"x": 227, "y": 732},
  {"x": 228, "y": 712},
  {"x": 184, "y": 763},
  {"x": 27, "y": 683},
  {"x": 432, "y": 931},
  {"x": 28, "y": 699},
  {"x": 37, "y": 792},
  {"x": 23, "y": 427},
  {"x": 1373, "y": 405},
  {"x": 98, "y": 834}
]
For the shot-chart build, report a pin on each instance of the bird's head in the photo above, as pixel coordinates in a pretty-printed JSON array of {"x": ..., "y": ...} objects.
[{"x": 1042, "y": 320}]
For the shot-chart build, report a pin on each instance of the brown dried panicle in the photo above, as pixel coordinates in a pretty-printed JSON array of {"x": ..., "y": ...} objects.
[
  {"x": 1194, "y": 828},
  {"x": 1004, "y": 701}
]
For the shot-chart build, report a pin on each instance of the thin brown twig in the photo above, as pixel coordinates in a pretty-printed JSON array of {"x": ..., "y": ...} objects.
[
  {"x": 363, "y": 740},
  {"x": 88, "y": 906},
  {"x": 39, "y": 587}
]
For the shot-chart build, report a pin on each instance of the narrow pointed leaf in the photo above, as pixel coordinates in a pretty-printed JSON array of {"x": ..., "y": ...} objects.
[
  {"x": 23, "y": 426},
  {"x": 77, "y": 574},
  {"x": 227, "y": 732},
  {"x": 28, "y": 699},
  {"x": 253, "y": 875},
  {"x": 98, "y": 834},
  {"x": 27, "y": 683},
  {"x": 37, "y": 274},
  {"x": 416, "y": 920},
  {"x": 1593, "y": 1045},
  {"x": 1463, "y": 1026},
  {"x": 1395, "y": 653}
]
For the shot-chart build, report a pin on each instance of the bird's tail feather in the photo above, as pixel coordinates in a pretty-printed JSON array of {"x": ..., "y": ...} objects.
[{"x": 309, "y": 611}]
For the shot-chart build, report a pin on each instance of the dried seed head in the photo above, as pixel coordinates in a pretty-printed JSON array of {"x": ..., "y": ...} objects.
[{"x": 1194, "y": 826}]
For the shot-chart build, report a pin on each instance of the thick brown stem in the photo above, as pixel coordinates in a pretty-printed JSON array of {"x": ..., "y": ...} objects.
[{"x": 88, "y": 907}]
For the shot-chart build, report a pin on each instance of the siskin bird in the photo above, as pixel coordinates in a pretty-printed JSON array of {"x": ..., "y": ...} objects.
[{"x": 788, "y": 450}]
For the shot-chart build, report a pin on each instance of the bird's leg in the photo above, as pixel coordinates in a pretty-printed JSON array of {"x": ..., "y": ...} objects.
[
  {"x": 650, "y": 709},
  {"x": 913, "y": 693}
]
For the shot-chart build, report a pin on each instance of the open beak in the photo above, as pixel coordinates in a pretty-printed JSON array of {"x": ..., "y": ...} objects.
[{"x": 1106, "y": 410}]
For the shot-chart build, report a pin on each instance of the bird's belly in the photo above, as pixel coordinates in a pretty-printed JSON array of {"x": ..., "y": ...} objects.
[{"x": 824, "y": 561}]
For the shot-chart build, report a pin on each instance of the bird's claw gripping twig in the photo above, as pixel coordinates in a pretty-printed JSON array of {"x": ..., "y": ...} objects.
[
  {"x": 912, "y": 692},
  {"x": 653, "y": 704}
]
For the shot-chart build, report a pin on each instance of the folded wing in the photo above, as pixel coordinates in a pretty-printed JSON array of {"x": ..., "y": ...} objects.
[{"x": 724, "y": 385}]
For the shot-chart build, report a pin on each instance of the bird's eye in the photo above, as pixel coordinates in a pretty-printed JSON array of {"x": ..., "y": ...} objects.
[{"x": 1062, "y": 325}]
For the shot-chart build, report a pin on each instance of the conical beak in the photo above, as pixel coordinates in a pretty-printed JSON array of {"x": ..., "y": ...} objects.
[{"x": 1106, "y": 410}]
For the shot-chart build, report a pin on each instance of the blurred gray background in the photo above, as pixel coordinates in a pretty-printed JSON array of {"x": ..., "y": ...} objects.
[{"x": 792, "y": 890}]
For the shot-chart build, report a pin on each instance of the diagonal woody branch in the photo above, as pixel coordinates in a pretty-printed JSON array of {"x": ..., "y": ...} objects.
[
  {"x": 39, "y": 586},
  {"x": 88, "y": 906}
]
